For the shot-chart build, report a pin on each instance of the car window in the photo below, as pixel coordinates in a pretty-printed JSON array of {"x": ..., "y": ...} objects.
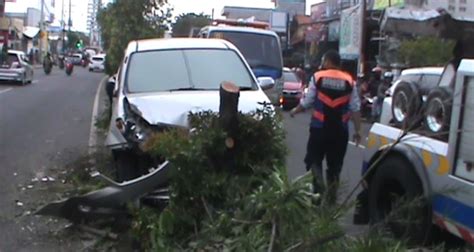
[
  {"x": 209, "y": 68},
  {"x": 164, "y": 70},
  {"x": 289, "y": 76},
  {"x": 97, "y": 58}
]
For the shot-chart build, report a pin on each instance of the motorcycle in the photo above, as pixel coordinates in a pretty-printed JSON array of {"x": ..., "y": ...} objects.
[
  {"x": 61, "y": 62},
  {"x": 47, "y": 65},
  {"x": 69, "y": 68}
]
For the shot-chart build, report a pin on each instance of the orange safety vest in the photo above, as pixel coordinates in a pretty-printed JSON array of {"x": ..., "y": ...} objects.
[{"x": 333, "y": 95}]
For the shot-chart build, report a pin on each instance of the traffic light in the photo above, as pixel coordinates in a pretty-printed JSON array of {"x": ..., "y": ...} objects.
[{"x": 79, "y": 44}]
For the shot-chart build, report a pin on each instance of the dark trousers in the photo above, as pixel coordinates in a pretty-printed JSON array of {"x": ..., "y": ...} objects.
[{"x": 328, "y": 143}]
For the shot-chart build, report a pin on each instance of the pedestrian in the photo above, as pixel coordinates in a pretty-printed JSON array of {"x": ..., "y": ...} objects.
[{"x": 335, "y": 99}]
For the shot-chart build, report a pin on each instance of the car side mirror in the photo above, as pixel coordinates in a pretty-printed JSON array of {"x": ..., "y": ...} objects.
[
  {"x": 266, "y": 83},
  {"x": 110, "y": 87}
]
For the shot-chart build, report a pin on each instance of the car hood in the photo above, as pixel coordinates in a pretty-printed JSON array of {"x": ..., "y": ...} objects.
[
  {"x": 292, "y": 85},
  {"x": 173, "y": 108}
]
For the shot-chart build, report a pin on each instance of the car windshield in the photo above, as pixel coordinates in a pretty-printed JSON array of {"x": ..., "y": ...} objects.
[
  {"x": 260, "y": 50},
  {"x": 290, "y": 77},
  {"x": 200, "y": 69}
]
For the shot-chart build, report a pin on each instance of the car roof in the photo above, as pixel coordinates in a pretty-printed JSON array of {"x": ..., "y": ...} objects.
[
  {"x": 177, "y": 43},
  {"x": 423, "y": 70},
  {"x": 16, "y": 52},
  {"x": 239, "y": 29}
]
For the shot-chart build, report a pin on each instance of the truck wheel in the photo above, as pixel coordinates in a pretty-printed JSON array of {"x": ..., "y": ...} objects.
[
  {"x": 406, "y": 103},
  {"x": 125, "y": 165},
  {"x": 438, "y": 112},
  {"x": 396, "y": 201}
]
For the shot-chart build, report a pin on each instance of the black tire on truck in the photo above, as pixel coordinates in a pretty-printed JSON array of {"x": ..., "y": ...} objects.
[
  {"x": 438, "y": 112},
  {"x": 406, "y": 104},
  {"x": 396, "y": 186}
]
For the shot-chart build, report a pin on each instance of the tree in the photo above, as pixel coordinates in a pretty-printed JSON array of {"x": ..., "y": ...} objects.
[
  {"x": 426, "y": 51},
  {"x": 125, "y": 20},
  {"x": 185, "y": 22},
  {"x": 73, "y": 37}
]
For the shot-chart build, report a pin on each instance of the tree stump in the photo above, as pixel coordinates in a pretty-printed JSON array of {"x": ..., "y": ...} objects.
[
  {"x": 228, "y": 108},
  {"x": 228, "y": 118}
]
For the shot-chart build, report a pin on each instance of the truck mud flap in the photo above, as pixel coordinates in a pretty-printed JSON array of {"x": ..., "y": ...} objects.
[{"x": 109, "y": 201}]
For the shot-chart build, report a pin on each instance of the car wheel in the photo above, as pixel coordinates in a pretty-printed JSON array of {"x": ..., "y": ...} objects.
[
  {"x": 438, "y": 112},
  {"x": 406, "y": 104},
  {"x": 90, "y": 70},
  {"x": 397, "y": 203}
]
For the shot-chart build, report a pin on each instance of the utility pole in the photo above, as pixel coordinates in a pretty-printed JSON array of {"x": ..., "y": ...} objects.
[
  {"x": 363, "y": 27},
  {"x": 70, "y": 20},
  {"x": 41, "y": 31},
  {"x": 63, "y": 28}
]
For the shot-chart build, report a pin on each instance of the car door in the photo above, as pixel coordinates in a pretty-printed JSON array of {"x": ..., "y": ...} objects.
[{"x": 28, "y": 67}]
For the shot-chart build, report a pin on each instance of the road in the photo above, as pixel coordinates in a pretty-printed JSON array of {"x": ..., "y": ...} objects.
[
  {"x": 47, "y": 125},
  {"x": 42, "y": 126}
]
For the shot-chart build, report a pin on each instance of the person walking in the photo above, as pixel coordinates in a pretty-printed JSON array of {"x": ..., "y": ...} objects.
[{"x": 335, "y": 100}]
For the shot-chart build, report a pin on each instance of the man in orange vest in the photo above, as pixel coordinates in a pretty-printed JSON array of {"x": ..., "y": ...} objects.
[{"x": 335, "y": 100}]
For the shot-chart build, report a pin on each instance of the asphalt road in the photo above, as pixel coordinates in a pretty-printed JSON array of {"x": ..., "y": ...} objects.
[
  {"x": 42, "y": 125},
  {"x": 297, "y": 132}
]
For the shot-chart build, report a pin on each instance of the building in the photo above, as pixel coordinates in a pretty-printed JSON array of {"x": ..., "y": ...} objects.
[
  {"x": 92, "y": 25},
  {"x": 21, "y": 21},
  {"x": 235, "y": 12},
  {"x": 458, "y": 9},
  {"x": 292, "y": 7}
]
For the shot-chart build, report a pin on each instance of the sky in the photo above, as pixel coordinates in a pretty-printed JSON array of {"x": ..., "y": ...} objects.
[{"x": 79, "y": 8}]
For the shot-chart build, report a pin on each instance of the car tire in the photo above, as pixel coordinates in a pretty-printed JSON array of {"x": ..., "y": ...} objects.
[
  {"x": 406, "y": 105},
  {"x": 438, "y": 112},
  {"x": 90, "y": 70},
  {"x": 395, "y": 178}
]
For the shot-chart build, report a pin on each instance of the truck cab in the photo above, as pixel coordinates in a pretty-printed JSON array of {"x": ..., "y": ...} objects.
[
  {"x": 414, "y": 180},
  {"x": 260, "y": 46}
]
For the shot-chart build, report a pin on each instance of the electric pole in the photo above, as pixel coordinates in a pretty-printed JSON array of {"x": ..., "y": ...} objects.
[
  {"x": 63, "y": 28},
  {"x": 363, "y": 27},
  {"x": 41, "y": 31}
]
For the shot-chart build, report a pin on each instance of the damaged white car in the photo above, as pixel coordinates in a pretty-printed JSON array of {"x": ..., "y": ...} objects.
[{"x": 161, "y": 81}]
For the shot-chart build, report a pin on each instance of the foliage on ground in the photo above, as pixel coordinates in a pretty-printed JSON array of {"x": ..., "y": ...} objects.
[
  {"x": 125, "y": 20},
  {"x": 252, "y": 206}
]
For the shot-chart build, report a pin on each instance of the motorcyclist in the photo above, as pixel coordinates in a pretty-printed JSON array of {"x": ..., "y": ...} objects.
[{"x": 48, "y": 60}]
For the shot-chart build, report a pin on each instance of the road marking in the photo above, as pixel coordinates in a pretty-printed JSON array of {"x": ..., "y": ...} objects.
[
  {"x": 95, "y": 112},
  {"x": 5, "y": 90},
  {"x": 354, "y": 144}
]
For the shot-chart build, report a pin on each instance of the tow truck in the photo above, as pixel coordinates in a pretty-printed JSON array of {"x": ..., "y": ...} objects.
[
  {"x": 259, "y": 45},
  {"x": 437, "y": 174}
]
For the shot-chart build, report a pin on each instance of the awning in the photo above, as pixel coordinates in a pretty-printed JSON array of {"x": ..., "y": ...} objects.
[
  {"x": 420, "y": 22},
  {"x": 30, "y": 31}
]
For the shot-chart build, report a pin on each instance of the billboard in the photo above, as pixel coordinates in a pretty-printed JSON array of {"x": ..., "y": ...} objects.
[
  {"x": 382, "y": 4},
  {"x": 349, "y": 41}
]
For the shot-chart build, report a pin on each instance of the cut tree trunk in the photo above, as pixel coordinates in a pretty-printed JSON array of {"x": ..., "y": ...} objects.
[{"x": 228, "y": 117}]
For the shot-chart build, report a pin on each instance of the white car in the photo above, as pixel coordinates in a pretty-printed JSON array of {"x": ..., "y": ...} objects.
[
  {"x": 161, "y": 81},
  {"x": 425, "y": 78},
  {"x": 97, "y": 63},
  {"x": 16, "y": 68}
]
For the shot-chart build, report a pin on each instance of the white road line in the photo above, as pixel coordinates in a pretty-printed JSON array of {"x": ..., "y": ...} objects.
[
  {"x": 5, "y": 90},
  {"x": 95, "y": 112},
  {"x": 354, "y": 144}
]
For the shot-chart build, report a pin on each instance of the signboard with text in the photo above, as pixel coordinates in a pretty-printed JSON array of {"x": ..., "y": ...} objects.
[{"x": 349, "y": 41}]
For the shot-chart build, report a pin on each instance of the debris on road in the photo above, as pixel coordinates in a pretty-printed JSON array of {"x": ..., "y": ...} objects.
[
  {"x": 108, "y": 201},
  {"x": 19, "y": 203}
]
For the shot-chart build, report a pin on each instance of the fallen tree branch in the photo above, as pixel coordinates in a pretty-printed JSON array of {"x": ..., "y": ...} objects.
[
  {"x": 98, "y": 232},
  {"x": 272, "y": 238}
]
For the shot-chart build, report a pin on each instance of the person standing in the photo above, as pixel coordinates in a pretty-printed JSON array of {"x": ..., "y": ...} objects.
[{"x": 335, "y": 100}]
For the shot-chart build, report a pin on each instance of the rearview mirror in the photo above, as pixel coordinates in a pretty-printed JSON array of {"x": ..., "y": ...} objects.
[
  {"x": 110, "y": 87},
  {"x": 266, "y": 83}
]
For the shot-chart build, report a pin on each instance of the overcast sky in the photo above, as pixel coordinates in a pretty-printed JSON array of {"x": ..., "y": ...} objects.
[{"x": 79, "y": 8}]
